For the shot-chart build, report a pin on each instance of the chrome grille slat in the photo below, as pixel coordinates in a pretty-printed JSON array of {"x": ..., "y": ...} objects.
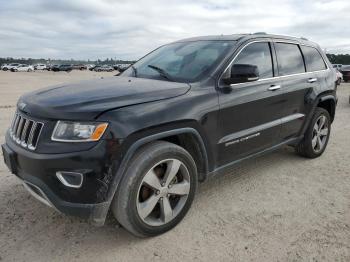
[
  {"x": 31, "y": 134},
  {"x": 25, "y": 131},
  {"x": 19, "y": 129},
  {"x": 15, "y": 126},
  {"x": 13, "y": 121}
]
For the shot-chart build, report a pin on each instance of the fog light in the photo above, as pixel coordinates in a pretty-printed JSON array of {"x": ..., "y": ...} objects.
[{"x": 70, "y": 179}]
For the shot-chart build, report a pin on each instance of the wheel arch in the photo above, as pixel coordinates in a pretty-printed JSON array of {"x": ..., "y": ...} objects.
[
  {"x": 187, "y": 137},
  {"x": 328, "y": 102},
  {"x": 180, "y": 137}
]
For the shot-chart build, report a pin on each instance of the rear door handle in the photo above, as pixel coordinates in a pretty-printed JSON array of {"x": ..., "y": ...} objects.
[
  {"x": 274, "y": 87},
  {"x": 312, "y": 80}
]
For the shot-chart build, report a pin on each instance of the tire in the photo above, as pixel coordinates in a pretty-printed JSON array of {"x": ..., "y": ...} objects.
[
  {"x": 306, "y": 147},
  {"x": 339, "y": 81},
  {"x": 130, "y": 199},
  {"x": 5, "y": 69}
]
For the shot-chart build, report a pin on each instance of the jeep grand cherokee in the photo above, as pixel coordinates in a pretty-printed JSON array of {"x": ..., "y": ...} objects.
[{"x": 137, "y": 144}]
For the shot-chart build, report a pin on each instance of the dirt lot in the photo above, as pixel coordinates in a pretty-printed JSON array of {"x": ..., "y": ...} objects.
[{"x": 279, "y": 207}]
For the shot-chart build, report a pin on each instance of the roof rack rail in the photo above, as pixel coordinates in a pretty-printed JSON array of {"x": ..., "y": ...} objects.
[{"x": 260, "y": 33}]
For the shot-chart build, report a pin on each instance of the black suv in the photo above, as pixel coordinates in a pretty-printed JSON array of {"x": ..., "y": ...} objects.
[
  {"x": 66, "y": 68},
  {"x": 137, "y": 144}
]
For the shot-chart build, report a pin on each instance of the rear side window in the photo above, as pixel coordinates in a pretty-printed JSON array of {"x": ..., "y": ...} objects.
[
  {"x": 290, "y": 59},
  {"x": 257, "y": 54},
  {"x": 313, "y": 59}
]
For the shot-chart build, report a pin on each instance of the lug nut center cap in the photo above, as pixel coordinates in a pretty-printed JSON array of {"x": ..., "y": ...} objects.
[{"x": 163, "y": 192}]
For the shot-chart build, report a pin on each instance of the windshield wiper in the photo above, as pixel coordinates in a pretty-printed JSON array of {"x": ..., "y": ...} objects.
[
  {"x": 134, "y": 69},
  {"x": 162, "y": 72}
]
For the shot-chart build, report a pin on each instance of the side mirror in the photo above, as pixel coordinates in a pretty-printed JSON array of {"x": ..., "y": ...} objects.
[{"x": 241, "y": 73}]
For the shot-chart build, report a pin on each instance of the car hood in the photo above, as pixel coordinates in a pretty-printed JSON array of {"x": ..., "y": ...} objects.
[{"x": 88, "y": 99}]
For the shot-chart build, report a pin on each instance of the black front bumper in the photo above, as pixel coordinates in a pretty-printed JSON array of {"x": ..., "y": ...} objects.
[{"x": 38, "y": 173}]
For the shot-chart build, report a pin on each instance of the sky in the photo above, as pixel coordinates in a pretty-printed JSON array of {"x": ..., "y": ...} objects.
[{"x": 91, "y": 29}]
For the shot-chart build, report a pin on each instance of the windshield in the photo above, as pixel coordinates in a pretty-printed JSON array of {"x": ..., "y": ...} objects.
[{"x": 182, "y": 61}]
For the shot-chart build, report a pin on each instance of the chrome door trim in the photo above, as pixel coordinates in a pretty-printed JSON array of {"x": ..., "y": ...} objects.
[{"x": 255, "y": 130}]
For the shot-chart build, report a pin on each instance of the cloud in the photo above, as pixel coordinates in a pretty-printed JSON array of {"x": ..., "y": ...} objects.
[{"x": 90, "y": 29}]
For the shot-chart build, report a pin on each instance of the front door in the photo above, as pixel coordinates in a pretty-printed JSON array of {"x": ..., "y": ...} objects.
[{"x": 250, "y": 112}]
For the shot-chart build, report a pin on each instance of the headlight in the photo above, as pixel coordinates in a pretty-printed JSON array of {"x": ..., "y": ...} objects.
[{"x": 66, "y": 131}]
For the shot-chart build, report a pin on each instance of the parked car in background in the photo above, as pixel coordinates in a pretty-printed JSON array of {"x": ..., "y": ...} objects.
[
  {"x": 345, "y": 70},
  {"x": 116, "y": 66},
  {"x": 3, "y": 65},
  {"x": 339, "y": 76},
  {"x": 337, "y": 66},
  {"x": 22, "y": 68},
  {"x": 90, "y": 66},
  {"x": 40, "y": 67},
  {"x": 80, "y": 67},
  {"x": 123, "y": 67},
  {"x": 10, "y": 66},
  {"x": 103, "y": 68},
  {"x": 66, "y": 68}
]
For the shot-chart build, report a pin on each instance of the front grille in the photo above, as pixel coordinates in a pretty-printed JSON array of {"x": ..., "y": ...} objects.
[{"x": 25, "y": 131}]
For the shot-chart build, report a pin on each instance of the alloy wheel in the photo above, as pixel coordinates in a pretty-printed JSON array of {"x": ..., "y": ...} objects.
[
  {"x": 320, "y": 134},
  {"x": 163, "y": 192}
]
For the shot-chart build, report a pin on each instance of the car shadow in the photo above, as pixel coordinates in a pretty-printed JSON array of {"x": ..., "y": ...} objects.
[{"x": 27, "y": 224}]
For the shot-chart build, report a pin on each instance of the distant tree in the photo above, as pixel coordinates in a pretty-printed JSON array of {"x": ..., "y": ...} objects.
[{"x": 339, "y": 59}]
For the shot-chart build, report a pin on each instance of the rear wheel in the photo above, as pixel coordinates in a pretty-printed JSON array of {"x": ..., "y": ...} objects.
[
  {"x": 157, "y": 189},
  {"x": 316, "y": 136}
]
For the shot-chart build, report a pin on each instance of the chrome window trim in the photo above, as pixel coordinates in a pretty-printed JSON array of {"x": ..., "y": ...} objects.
[
  {"x": 319, "y": 54},
  {"x": 275, "y": 77},
  {"x": 233, "y": 59}
]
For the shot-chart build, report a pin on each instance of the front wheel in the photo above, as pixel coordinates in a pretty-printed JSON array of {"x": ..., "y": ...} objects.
[
  {"x": 316, "y": 136},
  {"x": 157, "y": 189}
]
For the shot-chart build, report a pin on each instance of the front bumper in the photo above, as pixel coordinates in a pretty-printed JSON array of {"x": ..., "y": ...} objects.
[{"x": 38, "y": 173}]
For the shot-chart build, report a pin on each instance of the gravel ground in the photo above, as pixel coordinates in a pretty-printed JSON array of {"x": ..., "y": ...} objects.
[{"x": 278, "y": 207}]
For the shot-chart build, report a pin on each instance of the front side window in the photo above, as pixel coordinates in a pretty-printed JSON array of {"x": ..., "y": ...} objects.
[
  {"x": 313, "y": 59},
  {"x": 182, "y": 61},
  {"x": 259, "y": 55},
  {"x": 290, "y": 60}
]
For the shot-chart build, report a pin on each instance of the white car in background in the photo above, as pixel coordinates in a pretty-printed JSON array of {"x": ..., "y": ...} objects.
[
  {"x": 3, "y": 65},
  {"x": 9, "y": 66},
  {"x": 22, "y": 68},
  {"x": 40, "y": 67}
]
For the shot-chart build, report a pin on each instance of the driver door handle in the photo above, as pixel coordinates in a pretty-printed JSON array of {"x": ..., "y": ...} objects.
[
  {"x": 274, "y": 87},
  {"x": 312, "y": 80}
]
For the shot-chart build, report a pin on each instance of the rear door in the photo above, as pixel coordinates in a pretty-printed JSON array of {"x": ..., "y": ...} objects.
[
  {"x": 250, "y": 112},
  {"x": 296, "y": 85},
  {"x": 316, "y": 65}
]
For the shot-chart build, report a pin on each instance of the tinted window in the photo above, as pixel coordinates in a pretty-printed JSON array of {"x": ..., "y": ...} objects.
[
  {"x": 313, "y": 59},
  {"x": 257, "y": 54},
  {"x": 290, "y": 60}
]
